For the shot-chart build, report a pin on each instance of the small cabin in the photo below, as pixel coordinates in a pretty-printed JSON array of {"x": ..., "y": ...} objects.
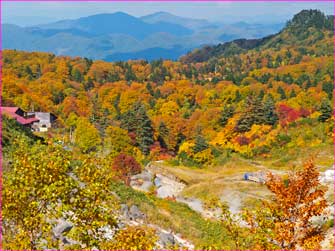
[{"x": 45, "y": 120}]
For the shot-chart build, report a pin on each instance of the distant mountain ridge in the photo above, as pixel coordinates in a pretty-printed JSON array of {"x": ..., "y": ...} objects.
[
  {"x": 167, "y": 17},
  {"x": 119, "y": 35},
  {"x": 117, "y": 23},
  {"x": 148, "y": 54}
]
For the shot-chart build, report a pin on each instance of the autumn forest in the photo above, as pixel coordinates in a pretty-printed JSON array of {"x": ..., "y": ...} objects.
[{"x": 218, "y": 113}]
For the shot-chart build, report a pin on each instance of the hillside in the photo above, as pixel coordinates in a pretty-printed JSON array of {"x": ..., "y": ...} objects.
[
  {"x": 174, "y": 155},
  {"x": 219, "y": 108},
  {"x": 307, "y": 28}
]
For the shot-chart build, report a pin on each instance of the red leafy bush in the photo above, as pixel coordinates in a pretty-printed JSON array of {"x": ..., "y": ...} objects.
[
  {"x": 125, "y": 166},
  {"x": 288, "y": 114},
  {"x": 242, "y": 140}
]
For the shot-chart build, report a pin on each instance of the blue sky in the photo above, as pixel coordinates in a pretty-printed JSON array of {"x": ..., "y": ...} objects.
[{"x": 29, "y": 13}]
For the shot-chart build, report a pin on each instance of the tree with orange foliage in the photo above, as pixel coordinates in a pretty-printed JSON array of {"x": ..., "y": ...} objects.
[
  {"x": 285, "y": 221},
  {"x": 124, "y": 166}
]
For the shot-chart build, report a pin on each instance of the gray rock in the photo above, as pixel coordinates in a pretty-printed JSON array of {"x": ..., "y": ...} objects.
[
  {"x": 135, "y": 213},
  {"x": 124, "y": 210},
  {"x": 65, "y": 241},
  {"x": 166, "y": 239},
  {"x": 121, "y": 225},
  {"x": 142, "y": 181},
  {"x": 168, "y": 187},
  {"x": 62, "y": 227},
  {"x": 193, "y": 203},
  {"x": 145, "y": 176},
  {"x": 143, "y": 186}
]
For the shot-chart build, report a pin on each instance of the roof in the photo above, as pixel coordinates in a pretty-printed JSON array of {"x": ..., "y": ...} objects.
[
  {"x": 11, "y": 112},
  {"x": 24, "y": 121},
  {"x": 7, "y": 109}
]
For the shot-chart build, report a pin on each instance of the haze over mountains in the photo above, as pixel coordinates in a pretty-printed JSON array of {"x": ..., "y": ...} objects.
[{"x": 119, "y": 36}]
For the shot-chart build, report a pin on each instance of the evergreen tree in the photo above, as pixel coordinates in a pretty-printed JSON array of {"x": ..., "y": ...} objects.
[
  {"x": 279, "y": 60},
  {"x": 116, "y": 102},
  {"x": 200, "y": 143},
  {"x": 157, "y": 94},
  {"x": 136, "y": 120},
  {"x": 150, "y": 89},
  {"x": 253, "y": 114},
  {"x": 113, "y": 77},
  {"x": 326, "y": 111},
  {"x": 281, "y": 91},
  {"x": 308, "y": 85},
  {"x": 265, "y": 78},
  {"x": 227, "y": 113},
  {"x": 29, "y": 72},
  {"x": 163, "y": 134},
  {"x": 130, "y": 76},
  {"x": 152, "y": 103},
  {"x": 328, "y": 88},
  {"x": 238, "y": 96},
  {"x": 261, "y": 95},
  {"x": 128, "y": 121},
  {"x": 288, "y": 78},
  {"x": 293, "y": 94},
  {"x": 144, "y": 130},
  {"x": 88, "y": 85},
  {"x": 270, "y": 115},
  {"x": 75, "y": 73}
]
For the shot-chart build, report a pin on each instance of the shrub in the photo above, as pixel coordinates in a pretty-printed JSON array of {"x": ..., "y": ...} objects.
[
  {"x": 132, "y": 238},
  {"x": 125, "y": 166}
]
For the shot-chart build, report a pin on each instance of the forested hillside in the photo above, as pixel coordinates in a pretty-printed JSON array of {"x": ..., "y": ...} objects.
[
  {"x": 309, "y": 31},
  {"x": 248, "y": 103},
  {"x": 269, "y": 99}
]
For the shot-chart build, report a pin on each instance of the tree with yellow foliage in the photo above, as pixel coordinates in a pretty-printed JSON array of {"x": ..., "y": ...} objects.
[{"x": 86, "y": 135}]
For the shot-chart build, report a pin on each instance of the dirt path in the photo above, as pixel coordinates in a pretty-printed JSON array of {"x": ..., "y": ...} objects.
[{"x": 196, "y": 186}]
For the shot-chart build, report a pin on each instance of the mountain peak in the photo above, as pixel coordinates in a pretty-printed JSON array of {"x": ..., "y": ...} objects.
[
  {"x": 161, "y": 13},
  {"x": 158, "y": 14},
  {"x": 118, "y": 14},
  {"x": 311, "y": 18}
]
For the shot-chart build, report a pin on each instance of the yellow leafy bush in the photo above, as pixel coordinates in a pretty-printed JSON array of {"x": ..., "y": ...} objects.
[
  {"x": 187, "y": 147},
  {"x": 204, "y": 156},
  {"x": 132, "y": 238}
]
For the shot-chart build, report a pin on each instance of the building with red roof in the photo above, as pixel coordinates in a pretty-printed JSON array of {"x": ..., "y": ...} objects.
[{"x": 19, "y": 115}]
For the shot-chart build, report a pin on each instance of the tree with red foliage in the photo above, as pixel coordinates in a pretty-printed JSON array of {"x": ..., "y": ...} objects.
[
  {"x": 286, "y": 114},
  {"x": 242, "y": 140},
  {"x": 125, "y": 166},
  {"x": 304, "y": 112}
]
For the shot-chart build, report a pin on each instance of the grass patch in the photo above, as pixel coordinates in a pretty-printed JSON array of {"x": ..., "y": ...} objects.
[{"x": 175, "y": 216}]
